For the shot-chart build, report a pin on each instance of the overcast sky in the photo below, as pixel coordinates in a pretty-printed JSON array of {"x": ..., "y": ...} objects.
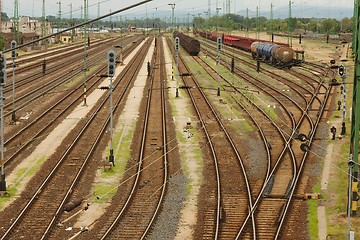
[{"x": 300, "y": 7}]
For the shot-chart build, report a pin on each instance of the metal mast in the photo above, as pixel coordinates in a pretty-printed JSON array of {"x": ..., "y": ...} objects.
[
  {"x": 98, "y": 15},
  {"x": 289, "y": 26},
  {"x": 43, "y": 27},
  {"x": 71, "y": 22},
  {"x": 0, "y": 17},
  {"x": 247, "y": 22},
  {"x": 228, "y": 7},
  {"x": 85, "y": 38},
  {"x": 59, "y": 15},
  {"x": 70, "y": 5},
  {"x": 355, "y": 115},
  {"x": 209, "y": 8},
  {"x": 16, "y": 20},
  {"x": 271, "y": 23},
  {"x": 257, "y": 23}
]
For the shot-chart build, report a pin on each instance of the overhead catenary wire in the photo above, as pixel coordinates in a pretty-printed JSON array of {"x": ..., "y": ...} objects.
[{"x": 79, "y": 25}]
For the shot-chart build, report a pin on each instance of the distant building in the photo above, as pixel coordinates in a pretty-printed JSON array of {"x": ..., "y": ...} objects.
[
  {"x": 26, "y": 25},
  {"x": 29, "y": 30}
]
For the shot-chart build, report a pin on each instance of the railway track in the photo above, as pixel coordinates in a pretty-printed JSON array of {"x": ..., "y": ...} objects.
[
  {"x": 228, "y": 189},
  {"x": 34, "y": 131},
  {"x": 274, "y": 207},
  {"x": 35, "y": 84},
  {"x": 236, "y": 206},
  {"x": 64, "y": 170},
  {"x": 142, "y": 205}
]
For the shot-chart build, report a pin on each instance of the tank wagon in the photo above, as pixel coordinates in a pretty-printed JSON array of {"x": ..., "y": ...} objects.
[
  {"x": 273, "y": 54},
  {"x": 191, "y": 45}
]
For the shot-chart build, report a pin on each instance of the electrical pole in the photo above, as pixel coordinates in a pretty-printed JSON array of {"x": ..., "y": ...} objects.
[
  {"x": 355, "y": 115},
  {"x": 43, "y": 25},
  {"x": 85, "y": 38},
  {"x": 111, "y": 57},
  {"x": 16, "y": 21},
  {"x": 209, "y": 9},
  {"x": 217, "y": 18},
  {"x": 121, "y": 43},
  {"x": 59, "y": 16},
  {"x": 219, "y": 46},
  {"x": 228, "y": 7},
  {"x": 257, "y": 23},
  {"x": 2, "y": 85},
  {"x": 13, "y": 56},
  {"x": 289, "y": 26},
  {"x": 247, "y": 22},
  {"x": 188, "y": 22},
  {"x": 71, "y": 23},
  {"x": 271, "y": 23},
  {"x": 177, "y": 47},
  {"x": 172, "y": 37},
  {"x": 98, "y": 15},
  {"x": 0, "y": 17},
  {"x": 343, "y": 128}
]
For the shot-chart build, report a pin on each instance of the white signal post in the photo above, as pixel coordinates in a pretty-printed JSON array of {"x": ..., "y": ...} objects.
[
  {"x": 219, "y": 46},
  {"x": 177, "y": 48},
  {"x": 13, "y": 56},
  {"x": 2, "y": 85},
  {"x": 342, "y": 73},
  {"x": 111, "y": 57}
]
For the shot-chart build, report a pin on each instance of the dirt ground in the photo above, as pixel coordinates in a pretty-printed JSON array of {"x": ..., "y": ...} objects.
[{"x": 313, "y": 53}]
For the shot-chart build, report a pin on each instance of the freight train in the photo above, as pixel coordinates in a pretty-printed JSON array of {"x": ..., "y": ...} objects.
[
  {"x": 274, "y": 53},
  {"x": 191, "y": 45}
]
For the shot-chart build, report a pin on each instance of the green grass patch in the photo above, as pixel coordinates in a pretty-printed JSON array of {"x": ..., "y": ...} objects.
[
  {"x": 312, "y": 214},
  {"x": 80, "y": 77},
  {"x": 11, "y": 193},
  {"x": 103, "y": 192},
  {"x": 21, "y": 175}
]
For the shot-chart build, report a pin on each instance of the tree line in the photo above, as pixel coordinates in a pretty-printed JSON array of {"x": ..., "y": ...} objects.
[{"x": 236, "y": 22}]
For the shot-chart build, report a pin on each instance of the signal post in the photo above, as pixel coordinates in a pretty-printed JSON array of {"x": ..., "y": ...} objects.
[
  {"x": 342, "y": 74},
  {"x": 2, "y": 85},
  {"x": 177, "y": 48},
  {"x": 111, "y": 57},
  {"x": 13, "y": 56},
  {"x": 219, "y": 46}
]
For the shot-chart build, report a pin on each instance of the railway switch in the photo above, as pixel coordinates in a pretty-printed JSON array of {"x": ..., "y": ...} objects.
[
  {"x": 111, "y": 57},
  {"x": 333, "y": 131},
  {"x": 3, "y": 70}
]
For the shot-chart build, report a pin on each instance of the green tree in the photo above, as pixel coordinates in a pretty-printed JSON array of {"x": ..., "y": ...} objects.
[
  {"x": 329, "y": 26},
  {"x": 347, "y": 24}
]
